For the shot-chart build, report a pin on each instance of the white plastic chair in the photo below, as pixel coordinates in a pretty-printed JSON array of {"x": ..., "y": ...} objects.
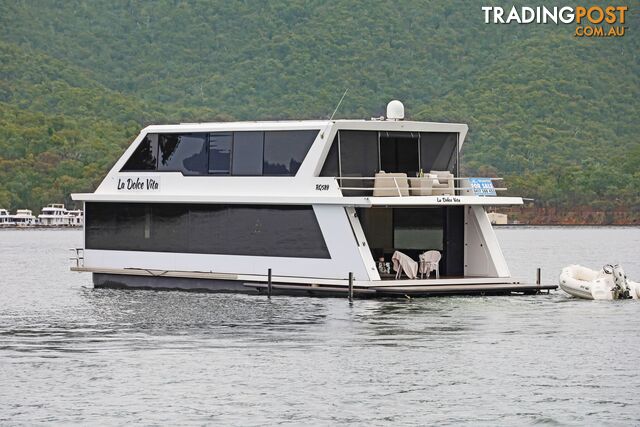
[{"x": 430, "y": 261}]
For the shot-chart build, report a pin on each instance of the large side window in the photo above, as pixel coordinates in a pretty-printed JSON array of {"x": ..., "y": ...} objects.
[
  {"x": 145, "y": 157},
  {"x": 248, "y": 148},
  {"x": 220, "y": 153},
  {"x": 186, "y": 153},
  {"x": 284, "y": 151},
  {"x": 250, "y": 153},
  {"x": 281, "y": 231}
]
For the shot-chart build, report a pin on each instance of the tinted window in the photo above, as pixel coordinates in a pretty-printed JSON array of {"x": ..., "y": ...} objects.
[
  {"x": 358, "y": 157},
  {"x": 439, "y": 151},
  {"x": 283, "y": 231},
  {"x": 358, "y": 153},
  {"x": 331, "y": 166},
  {"x": 284, "y": 151},
  {"x": 418, "y": 228},
  {"x": 186, "y": 153},
  {"x": 248, "y": 148},
  {"x": 145, "y": 156},
  {"x": 399, "y": 152},
  {"x": 220, "y": 153}
]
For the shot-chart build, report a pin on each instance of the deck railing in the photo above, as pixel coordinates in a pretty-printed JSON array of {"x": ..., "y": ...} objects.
[{"x": 394, "y": 186}]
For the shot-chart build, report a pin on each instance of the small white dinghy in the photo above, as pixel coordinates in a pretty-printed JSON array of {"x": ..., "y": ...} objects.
[{"x": 608, "y": 283}]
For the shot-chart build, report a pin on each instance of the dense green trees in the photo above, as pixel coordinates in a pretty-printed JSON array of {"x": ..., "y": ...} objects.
[{"x": 556, "y": 115}]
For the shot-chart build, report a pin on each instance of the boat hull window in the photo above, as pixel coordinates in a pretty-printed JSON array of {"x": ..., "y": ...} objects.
[
  {"x": 399, "y": 152},
  {"x": 186, "y": 153},
  {"x": 145, "y": 157},
  {"x": 280, "y": 231},
  {"x": 220, "y": 153},
  {"x": 284, "y": 151},
  {"x": 439, "y": 151},
  {"x": 358, "y": 157},
  {"x": 364, "y": 153},
  {"x": 248, "y": 149},
  {"x": 331, "y": 166},
  {"x": 253, "y": 153}
]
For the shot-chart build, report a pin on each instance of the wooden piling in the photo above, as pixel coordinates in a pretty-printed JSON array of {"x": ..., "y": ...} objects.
[
  {"x": 538, "y": 276},
  {"x": 269, "y": 284},
  {"x": 350, "y": 288}
]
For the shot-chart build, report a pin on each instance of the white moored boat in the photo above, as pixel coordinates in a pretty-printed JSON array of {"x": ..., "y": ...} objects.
[
  {"x": 24, "y": 218},
  {"x": 312, "y": 205},
  {"x": 609, "y": 283},
  {"x": 55, "y": 215},
  {"x": 6, "y": 220}
]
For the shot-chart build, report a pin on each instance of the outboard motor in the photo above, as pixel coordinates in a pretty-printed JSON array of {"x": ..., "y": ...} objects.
[{"x": 621, "y": 288}]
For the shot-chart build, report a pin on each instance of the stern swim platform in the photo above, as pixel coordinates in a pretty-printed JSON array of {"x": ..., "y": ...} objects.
[{"x": 256, "y": 284}]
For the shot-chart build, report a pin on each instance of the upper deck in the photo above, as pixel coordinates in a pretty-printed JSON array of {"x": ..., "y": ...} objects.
[{"x": 294, "y": 162}]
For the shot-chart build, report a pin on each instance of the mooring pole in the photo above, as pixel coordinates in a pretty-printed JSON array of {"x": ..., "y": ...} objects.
[
  {"x": 350, "y": 288},
  {"x": 538, "y": 279},
  {"x": 269, "y": 285}
]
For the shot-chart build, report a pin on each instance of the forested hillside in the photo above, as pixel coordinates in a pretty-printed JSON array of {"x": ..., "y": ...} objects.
[{"x": 554, "y": 114}]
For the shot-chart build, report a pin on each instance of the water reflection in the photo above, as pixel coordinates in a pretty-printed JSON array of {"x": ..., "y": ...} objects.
[{"x": 75, "y": 355}]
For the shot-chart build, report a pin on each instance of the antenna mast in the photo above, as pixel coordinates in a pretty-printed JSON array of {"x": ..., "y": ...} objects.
[{"x": 334, "y": 111}]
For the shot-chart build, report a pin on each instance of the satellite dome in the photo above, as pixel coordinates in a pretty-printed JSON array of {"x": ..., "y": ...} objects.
[{"x": 395, "y": 110}]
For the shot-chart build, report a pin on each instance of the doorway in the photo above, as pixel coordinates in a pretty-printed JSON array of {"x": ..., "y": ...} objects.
[{"x": 416, "y": 230}]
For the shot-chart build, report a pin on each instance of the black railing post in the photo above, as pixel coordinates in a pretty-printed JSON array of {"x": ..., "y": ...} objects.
[{"x": 269, "y": 284}]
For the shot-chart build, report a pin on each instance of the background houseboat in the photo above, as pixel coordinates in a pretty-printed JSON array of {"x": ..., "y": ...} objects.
[
  {"x": 54, "y": 215},
  {"x": 303, "y": 205},
  {"x": 24, "y": 218},
  {"x": 6, "y": 220}
]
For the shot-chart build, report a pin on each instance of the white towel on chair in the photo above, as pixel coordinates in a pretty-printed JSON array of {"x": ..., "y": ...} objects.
[{"x": 405, "y": 263}]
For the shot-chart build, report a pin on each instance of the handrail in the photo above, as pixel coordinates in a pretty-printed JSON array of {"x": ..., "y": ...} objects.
[{"x": 460, "y": 184}]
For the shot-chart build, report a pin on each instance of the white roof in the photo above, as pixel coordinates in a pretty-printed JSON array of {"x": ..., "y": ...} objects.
[{"x": 391, "y": 125}]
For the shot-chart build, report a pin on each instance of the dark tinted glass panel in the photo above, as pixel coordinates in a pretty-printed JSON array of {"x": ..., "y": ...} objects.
[
  {"x": 418, "y": 228},
  {"x": 282, "y": 231},
  {"x": 220, "y": 153},
  {"x": 186, "y": 153},
  {"x": 438, "y": 151},
  {"x": 330, "y": 167},
  {"x": 111, "y": 224},
  {"x": 284, "y": 151},
  {"x": 359, "y": 153},
  {"x": 169, "y": 226},
  {"x": 145, "y": 156},
  {"x": 399, "y": 152},
  {"x": 358, "y": 157},
  {"x": 248, "y": 149}
]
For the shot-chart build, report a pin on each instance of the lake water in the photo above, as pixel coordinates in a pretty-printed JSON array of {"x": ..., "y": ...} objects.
[{"x": 70, "y": 354}]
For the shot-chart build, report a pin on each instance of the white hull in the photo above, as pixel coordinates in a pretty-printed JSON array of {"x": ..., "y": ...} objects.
[{"x": 583, "y": 282}]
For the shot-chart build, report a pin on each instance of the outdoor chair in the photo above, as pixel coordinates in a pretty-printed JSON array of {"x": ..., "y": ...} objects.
[{"x": 430, "y": 261}]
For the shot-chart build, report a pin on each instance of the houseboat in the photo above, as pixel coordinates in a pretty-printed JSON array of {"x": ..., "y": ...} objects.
[
  {"x": 24, "y": 218},
  {"x": 54, "y": 215},
  {"x": 315, "y": 207},
  {"x": 76, "y": 217},
  {"x": 6, "y": 220}
]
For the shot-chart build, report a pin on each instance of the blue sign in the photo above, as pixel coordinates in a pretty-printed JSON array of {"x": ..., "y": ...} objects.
[{"x": 482, "y": 187}]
